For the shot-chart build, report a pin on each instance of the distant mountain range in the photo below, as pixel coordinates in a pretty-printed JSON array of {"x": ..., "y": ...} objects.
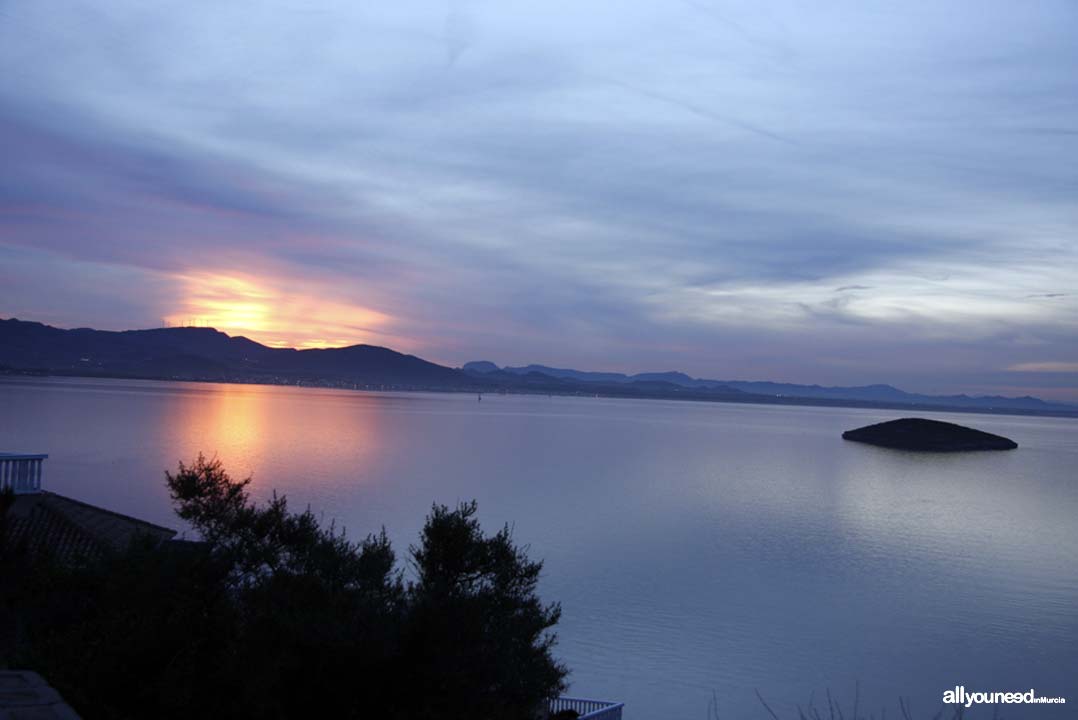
[
  {"x": 206, "y": 354},
  {"x": 881, "y": 394}
]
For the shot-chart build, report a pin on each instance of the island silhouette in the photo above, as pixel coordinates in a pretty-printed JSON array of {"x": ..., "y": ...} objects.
[{"x": 928, "y": 436}]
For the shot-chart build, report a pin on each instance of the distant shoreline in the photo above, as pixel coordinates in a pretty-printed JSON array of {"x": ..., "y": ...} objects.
[{"x": 688, "y": 395}]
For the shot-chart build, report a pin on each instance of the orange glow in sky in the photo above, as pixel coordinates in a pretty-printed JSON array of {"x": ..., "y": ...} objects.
[{"x": 262, "y": 311}]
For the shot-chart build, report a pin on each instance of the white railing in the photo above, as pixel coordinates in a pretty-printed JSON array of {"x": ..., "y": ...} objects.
[
  {"x": 588, "y": 709},
  {"x": 21, "y": 473}
]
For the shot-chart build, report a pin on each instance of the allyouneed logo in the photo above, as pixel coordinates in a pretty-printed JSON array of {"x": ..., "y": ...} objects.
[{"x": 959, "y": 696}]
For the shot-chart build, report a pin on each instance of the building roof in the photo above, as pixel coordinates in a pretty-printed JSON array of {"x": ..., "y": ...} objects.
[
  {"x": 69, "y": 529},
  {"x": 24, "y": 694}
]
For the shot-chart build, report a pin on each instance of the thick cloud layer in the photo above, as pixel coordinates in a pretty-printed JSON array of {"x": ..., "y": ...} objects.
[{"x": 862, "y": 192}]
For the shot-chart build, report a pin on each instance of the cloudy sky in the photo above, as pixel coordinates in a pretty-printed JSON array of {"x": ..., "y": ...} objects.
[{"x": 839, "y": 192}]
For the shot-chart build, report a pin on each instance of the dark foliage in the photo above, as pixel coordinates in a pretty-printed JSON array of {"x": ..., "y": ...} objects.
[
  {"x": 274, "y": 616},
  {"x": 477, "y": 630}
]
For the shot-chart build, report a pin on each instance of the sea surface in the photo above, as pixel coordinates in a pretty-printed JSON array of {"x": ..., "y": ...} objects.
[{"x": 700, "y": 551}]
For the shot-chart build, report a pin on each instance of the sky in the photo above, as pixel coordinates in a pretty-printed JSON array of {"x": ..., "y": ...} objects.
[{"x": 845, "y": 192}]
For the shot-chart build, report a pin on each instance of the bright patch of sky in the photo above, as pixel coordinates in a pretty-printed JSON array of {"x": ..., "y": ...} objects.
[{"x": 840, "y": 193}]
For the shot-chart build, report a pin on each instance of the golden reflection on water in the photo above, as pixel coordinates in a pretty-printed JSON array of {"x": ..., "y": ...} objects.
[{"x": 277, "y": 434}]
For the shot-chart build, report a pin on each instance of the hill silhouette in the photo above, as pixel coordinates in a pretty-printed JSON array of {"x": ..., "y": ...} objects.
[
  {"x": 878, "y": 394},
  {"x": 205, "y": 354}
]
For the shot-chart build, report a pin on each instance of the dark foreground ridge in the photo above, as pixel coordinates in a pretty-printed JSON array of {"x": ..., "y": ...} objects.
[{"x": 928, "y": 436}]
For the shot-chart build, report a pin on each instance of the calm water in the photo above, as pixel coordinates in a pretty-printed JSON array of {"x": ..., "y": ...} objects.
[{"x": 696, "y": 548}]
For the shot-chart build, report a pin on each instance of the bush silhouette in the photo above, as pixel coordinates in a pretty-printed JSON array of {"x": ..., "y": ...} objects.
[{"x": 272, "y": 615}]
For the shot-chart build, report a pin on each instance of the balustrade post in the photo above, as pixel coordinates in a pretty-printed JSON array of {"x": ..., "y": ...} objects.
[{"x": 21, "y": 473}]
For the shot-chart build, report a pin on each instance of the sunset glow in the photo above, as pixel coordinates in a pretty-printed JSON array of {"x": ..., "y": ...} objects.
[
  {"x": 835, "y": 197},
  {"x": 264, "y": 311}
]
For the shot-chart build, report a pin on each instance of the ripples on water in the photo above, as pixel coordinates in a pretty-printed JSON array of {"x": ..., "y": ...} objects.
[{"x": 695, "y": 547}]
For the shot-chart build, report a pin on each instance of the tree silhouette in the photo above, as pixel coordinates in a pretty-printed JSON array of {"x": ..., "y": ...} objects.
[{"x": 272, "y": 615}]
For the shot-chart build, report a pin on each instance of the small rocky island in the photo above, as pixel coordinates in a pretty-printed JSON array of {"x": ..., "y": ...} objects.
[{"x": 928, "y": 436}]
